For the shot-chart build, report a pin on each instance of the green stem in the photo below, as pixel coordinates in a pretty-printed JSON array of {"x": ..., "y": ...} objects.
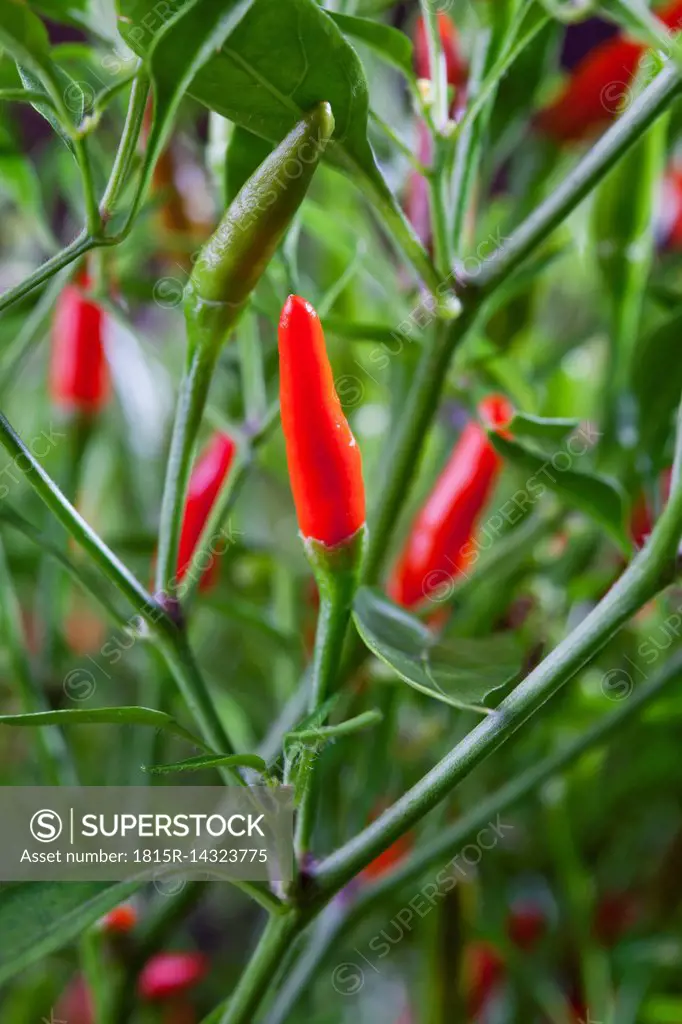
[
  {"x": 96, "y": 976},
  {"x": 274, "y": 944},
  {"x": 469, "y": 141},
  {"x": 340, "y": 918},
  {"x": 336, "y": 574},
  {"x": 127, "y": 145},
  {"x": 650, "y": 571},
  {"x": 93, "y": 221},
  {"x": 191, "y": 402},
  {"x": 73, "y": 522},
  {"x": 79, "y": 247},
  {"x": 192, "y": 686},
  {"x": 605, "y": 153},
  {"x": 398, "y": 227},
  {"x": 439, "y": 80},
  {"x": 53, "y": 752}
]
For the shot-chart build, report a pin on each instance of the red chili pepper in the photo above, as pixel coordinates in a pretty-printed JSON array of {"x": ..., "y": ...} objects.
[
  {"x": 598, "y": 84},
  {"x": 205, "y": 482},
  {"x": 449, "y": 39},
  {"x": 483, "y": 972},
  {"x": 594, "y": 93},
  {"x": 79, "y": 375},
  {"x": 120, "y": 920},
  {"x": 526, "y": 925},
  {"x": 436, "y": 548},
  {"x": 616, "y": 913},
  {"x": 642, "y": 518},
  {"x": 325, "y": 465},
  {"x": 170, "y": 974}
]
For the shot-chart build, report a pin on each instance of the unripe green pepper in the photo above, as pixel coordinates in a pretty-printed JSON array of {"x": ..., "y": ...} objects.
[{"x": 235, "y": 256}]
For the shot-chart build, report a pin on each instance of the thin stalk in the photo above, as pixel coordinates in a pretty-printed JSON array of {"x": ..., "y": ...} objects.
[
  {"x": 604, "y": 154},
  {"x": 189, "y": 411},
  {"x": 73, "y": 522},
  {"x": 399, "y": 143},
  {"x": 79, "y": 247},
  {"x": 342, "y": 915},
  {"x": 53, "y": 752},
  {"x": 274, "y": 944},
  {"x": 336, "y": 574},
  {"x": 650, "y": 571},
  {"x": 127, "y": 145},
  {"x": 93, "y": 220},
  {"x": 192, "y": 686},
  {"x": 16, "y": 352},
  {"x": 438, "y": 210},
  {"x": 437, "y": 66},
  {"x": 469, "y": 141}
]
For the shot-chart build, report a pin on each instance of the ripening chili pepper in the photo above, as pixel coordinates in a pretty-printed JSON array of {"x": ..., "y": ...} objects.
[
  {"x": 438, "y": 545},
  {"x": 235, "y": 256},
  {"x": 599, "y": 84},
  {"x": 325, "y": 465},
  {"x": 211, "y": 469},
  {"x": 171, "y": 974},
  {"x": 79, "y": 374},
  {"x": 449, "y": 38}
]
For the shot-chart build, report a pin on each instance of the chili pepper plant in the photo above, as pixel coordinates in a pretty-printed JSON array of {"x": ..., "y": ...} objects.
[{"x": 339, "y": 389}]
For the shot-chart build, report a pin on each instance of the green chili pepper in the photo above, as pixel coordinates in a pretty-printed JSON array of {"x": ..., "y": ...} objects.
[{"x": 232, "y": 261}]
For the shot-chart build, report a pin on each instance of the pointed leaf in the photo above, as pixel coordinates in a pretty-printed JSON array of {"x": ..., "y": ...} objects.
[
  {"x": 104, "y": 716},
  {"x": 540, "y": 428},
  {"x": 391, "y": 44},
  {"x": 195, "y": 764},
  {"x": 600, "y": 497},
  {"x": 460, "y": 672}
]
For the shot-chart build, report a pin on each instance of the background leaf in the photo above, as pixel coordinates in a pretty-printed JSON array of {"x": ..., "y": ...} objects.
[
  {"x": 598, "y": 496},
  {"x": 37, "y": 918},
  {"x": 461, "y": 672},
  {"x": 393, "y": 45}
]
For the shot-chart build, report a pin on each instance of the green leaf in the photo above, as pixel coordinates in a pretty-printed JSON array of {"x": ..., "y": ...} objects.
[
  {"x": 461, "y": 672},
  {"x": 539, "y": 428},
  {"x": 176, "y": 51},
  {"x": 104, "y": 716},
  {"x": 24, "y": 36},
  {"x": 195, "y": 764},
  {"x": 37, "y": 918},
  {"x": 598, "y": 496},
  {"x": 391, "y": 44},
  {"x": 275, "y": 65}
]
